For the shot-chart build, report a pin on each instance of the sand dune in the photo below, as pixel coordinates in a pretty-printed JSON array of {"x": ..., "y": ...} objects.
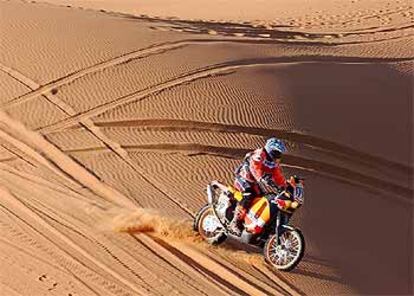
[{"x": 115, "y": 115}]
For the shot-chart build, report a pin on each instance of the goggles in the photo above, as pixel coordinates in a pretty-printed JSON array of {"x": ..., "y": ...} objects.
[{"x": 277, "y": 155}]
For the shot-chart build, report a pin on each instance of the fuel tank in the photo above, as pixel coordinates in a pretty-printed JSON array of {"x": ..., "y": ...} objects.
[{"x": 260, "y": 214}]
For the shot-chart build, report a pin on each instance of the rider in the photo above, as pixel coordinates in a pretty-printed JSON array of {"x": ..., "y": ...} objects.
[{"x": 259, "y": 174}]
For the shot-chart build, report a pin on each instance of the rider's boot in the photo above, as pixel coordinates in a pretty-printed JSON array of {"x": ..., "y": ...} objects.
[{"x": 236, "y": 223}]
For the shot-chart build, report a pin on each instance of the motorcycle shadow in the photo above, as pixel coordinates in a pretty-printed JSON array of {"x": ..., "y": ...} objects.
[{"x": 233, "y": 244}]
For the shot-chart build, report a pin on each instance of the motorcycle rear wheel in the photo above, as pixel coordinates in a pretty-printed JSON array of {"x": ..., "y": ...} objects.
[
  {"x": 286, "y": 255},
  {"x": 202, "y": 221}
]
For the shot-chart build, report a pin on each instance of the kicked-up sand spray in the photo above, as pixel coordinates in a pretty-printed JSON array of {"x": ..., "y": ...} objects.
[
  {"x": 152, "y": 222},
  {"x": 143, "y": 220}
]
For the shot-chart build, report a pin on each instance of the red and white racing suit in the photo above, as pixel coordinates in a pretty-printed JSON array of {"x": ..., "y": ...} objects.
[{"x": 258, "y": 174}]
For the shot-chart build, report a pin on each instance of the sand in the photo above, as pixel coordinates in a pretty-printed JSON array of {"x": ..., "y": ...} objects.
[{"x": 115, "y": 115}]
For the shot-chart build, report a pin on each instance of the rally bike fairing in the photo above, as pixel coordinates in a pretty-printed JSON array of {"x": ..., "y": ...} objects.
[
  {"x": 266, "y": 222},
  {"x": 263, "y": 210}
]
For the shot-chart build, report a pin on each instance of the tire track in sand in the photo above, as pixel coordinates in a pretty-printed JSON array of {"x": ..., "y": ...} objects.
[
  {"x": 220, "y": 275},
  {"x": 168, "y": 46},
  {"x": 38, "y": 90},
  {"x": 273, "y": 275},
  {"x": 336, "y": 149},
  {"x": 34, "y": 244},
  {"x": 50, "y": 215},
  {"x": 33, "y": 86},
  {"x": 246, "y": 276},
  {"x": 401, "y": 193},
  {"x": 88, "y": 125},
  {"x": 177, "y": 269},
  {"x": 173, "y": 261},
  {"x": 67, "y": 240},
  {"x": 40, "y": 181},
  {"x": 123, "y": 154},
  {"x": 19, "y": 77},
  {"x": 46, "y": 154},
  {"x": 111, "y": 145},
  {"x": 16, "y": 202},
  {"x": 145, "y": 284},
  {"x": 201, "y": 73},
  {"x": 214, "y": 73},
  {"x": 116, "y": 148}
]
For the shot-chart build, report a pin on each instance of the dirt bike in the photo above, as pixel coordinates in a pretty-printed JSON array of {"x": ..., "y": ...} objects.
[{"x": 265, "y": 223}]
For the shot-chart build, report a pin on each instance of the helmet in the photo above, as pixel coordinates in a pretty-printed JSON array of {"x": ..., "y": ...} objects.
[{"x": 275, "y": 147}]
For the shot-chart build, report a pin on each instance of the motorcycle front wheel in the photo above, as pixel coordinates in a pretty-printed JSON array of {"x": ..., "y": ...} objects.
[
  {"x": 207, "y": 224},
  {"x": 286, "y": 254}
]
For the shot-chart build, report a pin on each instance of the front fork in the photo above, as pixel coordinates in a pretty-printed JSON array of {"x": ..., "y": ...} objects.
[
  {"x": 277, "y": 227},
  {"x": 281, "y": 226}
]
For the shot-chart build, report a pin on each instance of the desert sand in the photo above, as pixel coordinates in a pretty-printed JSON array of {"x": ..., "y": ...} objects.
[{"x": 115, "y": 115}]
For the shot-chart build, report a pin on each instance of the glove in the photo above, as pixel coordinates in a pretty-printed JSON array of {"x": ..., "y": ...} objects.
[
  {"x": 294, "y": 205},
  {"x": 284, "y": 204}
]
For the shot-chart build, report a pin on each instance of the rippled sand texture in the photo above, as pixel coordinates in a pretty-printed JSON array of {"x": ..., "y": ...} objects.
[{"x": 111, "y": 125}]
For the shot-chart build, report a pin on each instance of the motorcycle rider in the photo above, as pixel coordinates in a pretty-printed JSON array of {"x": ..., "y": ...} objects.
[{"x": 259, "y": 174}]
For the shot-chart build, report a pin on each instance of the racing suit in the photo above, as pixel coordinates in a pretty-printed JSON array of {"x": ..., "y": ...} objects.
[{"x": 257, "y": 175}]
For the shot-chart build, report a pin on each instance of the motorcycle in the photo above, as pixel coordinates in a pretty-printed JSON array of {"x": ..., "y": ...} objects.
[{"x": 265, "y": 223}]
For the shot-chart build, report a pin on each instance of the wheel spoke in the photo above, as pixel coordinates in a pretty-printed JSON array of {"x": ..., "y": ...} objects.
[
  {"x": 279, "y": 259},
  {"x": 206, "y": 221},
  {"x": 283, "y": 254},
  {"x": 295, "y": 248}
]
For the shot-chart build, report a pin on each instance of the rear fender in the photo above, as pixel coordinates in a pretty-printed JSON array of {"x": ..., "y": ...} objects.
[
  {"x": 217, "y": 184},
  {"x": 210, "y": 199},
  {"x": 210, "y": 194},
  {"x": 210, "y": 187}
]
